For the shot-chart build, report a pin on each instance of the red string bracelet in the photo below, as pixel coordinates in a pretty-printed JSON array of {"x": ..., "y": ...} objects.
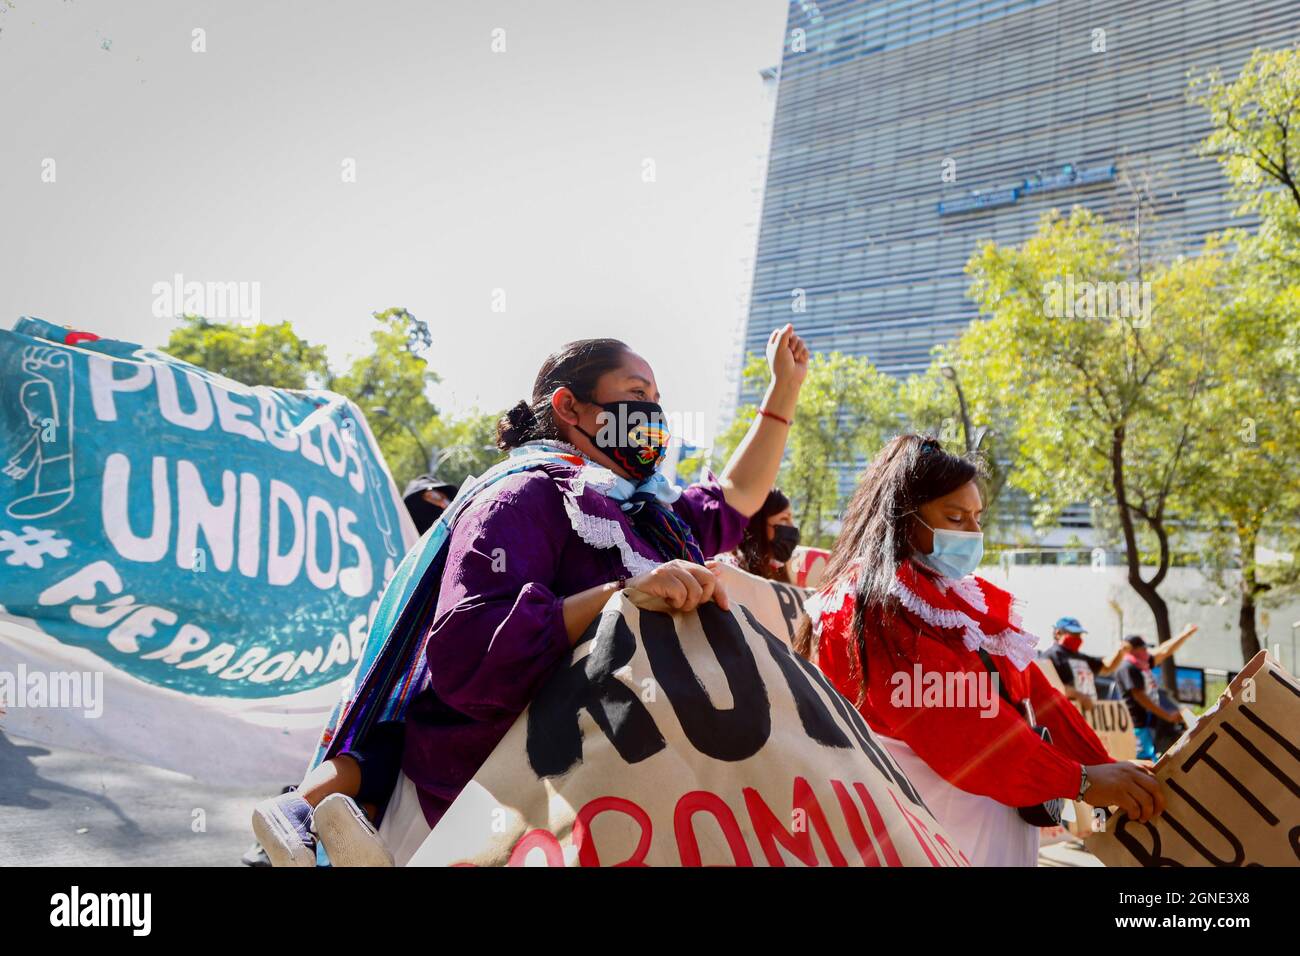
[{"x": 766, "y": 413}]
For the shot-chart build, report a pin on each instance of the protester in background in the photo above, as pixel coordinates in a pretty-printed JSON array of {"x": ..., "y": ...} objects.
[
  {"x": 1141, "y": 692},
  {"x": 536, "y": 548},
  {"x": 900, "y": 598},
  {"x": 770, "y": 539},
  {"x": 427, "y": 497},
  {"x": 1078, "y": 671}
]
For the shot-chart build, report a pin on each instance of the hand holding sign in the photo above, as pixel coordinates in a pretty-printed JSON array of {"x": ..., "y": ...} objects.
[
  {"x": 689, "y": 739},
  {"x": 1231, "y": 784},
  {"x": 1132, "y": 788},
  {"x": 683, "y": 585}
]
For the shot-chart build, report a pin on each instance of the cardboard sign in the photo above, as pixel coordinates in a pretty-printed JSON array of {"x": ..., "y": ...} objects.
[
  {"x": 1232, "y": 784},
  {"x": 188, "y": 539},
  {"x": 1082, "y": 824},
  {"x": 696, "y": 739},
  {"x": 1110, "y": 719},
  {"x": 1113, "y": 724}
]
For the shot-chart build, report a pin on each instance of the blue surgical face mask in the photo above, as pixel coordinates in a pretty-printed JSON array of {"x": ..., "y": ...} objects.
[{"x": 956, "y": 553}]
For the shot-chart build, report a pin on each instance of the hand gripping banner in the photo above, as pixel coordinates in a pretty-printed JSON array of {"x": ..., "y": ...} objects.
[{"x": 675, "y": 739}]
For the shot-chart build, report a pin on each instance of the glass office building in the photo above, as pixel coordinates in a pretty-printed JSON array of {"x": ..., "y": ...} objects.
[{"x": 907, "y": 131}]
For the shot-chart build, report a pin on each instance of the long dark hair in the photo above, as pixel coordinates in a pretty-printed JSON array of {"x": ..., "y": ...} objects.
[
  {"x": 910, "y": 471},
  {"x": 577, "y": 367},
  {"x": 755, "y": 548}
]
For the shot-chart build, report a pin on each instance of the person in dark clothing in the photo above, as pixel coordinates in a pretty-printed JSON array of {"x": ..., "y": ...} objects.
[
  {"x": 770, "y": 539},
  {"x": 427, "y": 497},
  {"x": 1142, "y": 693},
  {"x": 1077, "y": 671}
]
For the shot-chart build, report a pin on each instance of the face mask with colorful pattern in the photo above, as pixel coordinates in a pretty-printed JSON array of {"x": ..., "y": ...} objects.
[{"x": 632, "y": 434}]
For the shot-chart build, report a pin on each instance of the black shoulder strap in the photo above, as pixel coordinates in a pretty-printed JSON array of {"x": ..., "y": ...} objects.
[
  {"x": 1002, "y": 687},
  {"x": 1025, "y": 708}
]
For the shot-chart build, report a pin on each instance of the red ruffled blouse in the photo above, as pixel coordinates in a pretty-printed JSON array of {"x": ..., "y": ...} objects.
[{"x": 941, "y": 624}]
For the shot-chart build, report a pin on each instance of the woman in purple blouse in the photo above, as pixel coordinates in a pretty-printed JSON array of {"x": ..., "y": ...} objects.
[{"x": 533, "y": 557}]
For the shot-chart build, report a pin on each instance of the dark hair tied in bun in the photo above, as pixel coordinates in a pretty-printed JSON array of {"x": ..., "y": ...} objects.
[
  {"x": 516, "y": 426},
  {"x": 576, "y": 366}
]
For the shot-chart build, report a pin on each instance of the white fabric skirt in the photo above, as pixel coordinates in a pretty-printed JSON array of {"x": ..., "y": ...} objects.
[
  {"x": 404, "y": 828},
  {"x": 988, "y": 832}
]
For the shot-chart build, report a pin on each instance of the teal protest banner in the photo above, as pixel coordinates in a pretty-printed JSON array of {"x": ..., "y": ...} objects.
[{"x": 193, "y": 534}]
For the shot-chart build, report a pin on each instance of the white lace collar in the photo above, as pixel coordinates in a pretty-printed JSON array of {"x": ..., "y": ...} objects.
[
  {"x": 1016, "y": 645},
  {"x": 596, "y": 530}
]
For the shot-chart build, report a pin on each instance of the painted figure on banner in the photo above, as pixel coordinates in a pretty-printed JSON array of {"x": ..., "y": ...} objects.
[{"x": 44, "y": 465}]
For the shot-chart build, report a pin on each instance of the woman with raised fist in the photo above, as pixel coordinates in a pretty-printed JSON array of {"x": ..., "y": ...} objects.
[{"x": 527, "y": 556}]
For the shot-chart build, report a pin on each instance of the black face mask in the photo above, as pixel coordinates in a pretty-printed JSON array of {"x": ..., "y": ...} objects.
[
  {"x": 634, "y": 435},
  {"x": 785, "y": 537}
]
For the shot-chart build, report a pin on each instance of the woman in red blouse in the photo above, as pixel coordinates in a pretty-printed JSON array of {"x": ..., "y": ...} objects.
[{"x": 903, "y": 629}]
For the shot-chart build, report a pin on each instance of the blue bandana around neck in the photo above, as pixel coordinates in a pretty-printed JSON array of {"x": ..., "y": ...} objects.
[
  {"x": 648, "y": 503},
  {"x": 631, "y": 496}
]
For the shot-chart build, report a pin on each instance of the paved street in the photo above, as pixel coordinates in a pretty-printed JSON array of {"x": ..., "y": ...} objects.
[
  {"x": 60, "y": 807},
  {"x": 63, "y": 807},
  {"x": 1070, "y": 853}
]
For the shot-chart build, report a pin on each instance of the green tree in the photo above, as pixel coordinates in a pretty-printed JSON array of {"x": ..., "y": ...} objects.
[
  {"x": 1256, "y": 138},
  {"x": 1109, "y": 390},
  {"x": 466, "y": 445},
  {"x": 390, "y": 385},
  {"x": 1249, "y": 496},
  {"x": 846, "y": 409},
  {"x": 272, "y": 355},
  {"x": 949, "y": 401}
]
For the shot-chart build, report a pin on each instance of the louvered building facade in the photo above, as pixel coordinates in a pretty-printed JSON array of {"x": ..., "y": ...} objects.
[
  {"x": 908, "y": 131},
  {"x": 1029, "y": 104}
]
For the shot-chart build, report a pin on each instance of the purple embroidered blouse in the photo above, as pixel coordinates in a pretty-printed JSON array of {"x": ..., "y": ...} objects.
[{"x": 498, "y": 630}]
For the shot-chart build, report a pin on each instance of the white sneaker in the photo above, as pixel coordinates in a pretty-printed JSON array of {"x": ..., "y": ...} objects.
[
  {"x": 282, "y": 826},
  {"x": 349, "y": 838}
]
